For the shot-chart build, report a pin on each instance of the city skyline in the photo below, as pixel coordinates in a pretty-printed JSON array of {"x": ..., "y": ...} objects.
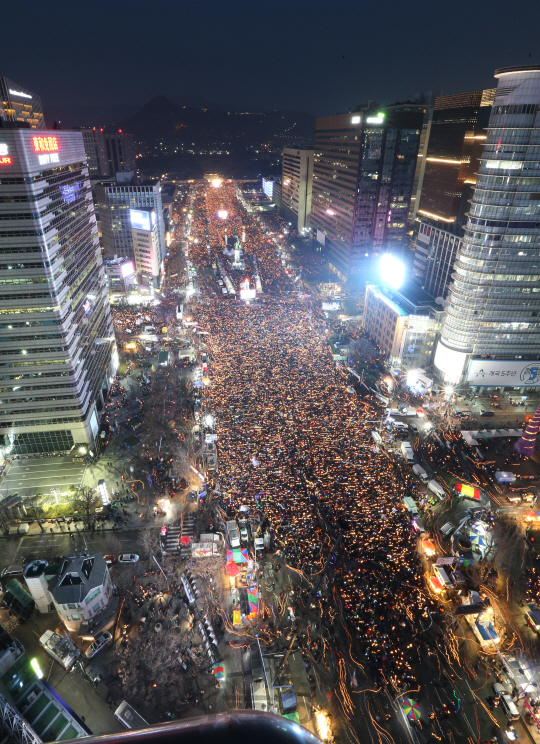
[{"x": 211, "y": 53}]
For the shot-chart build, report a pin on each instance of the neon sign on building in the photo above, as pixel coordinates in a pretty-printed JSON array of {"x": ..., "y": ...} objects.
[{"x": 45, "y": 144}]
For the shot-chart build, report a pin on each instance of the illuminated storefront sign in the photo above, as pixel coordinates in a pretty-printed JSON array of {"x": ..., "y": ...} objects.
[
  {"x": 52, "y": 158},
  {"x": 45, "y": 144},
  {"x": 19, "y": 93},
  {"x": 68, "y": 191},
  {"x": 5, "y": 159}
]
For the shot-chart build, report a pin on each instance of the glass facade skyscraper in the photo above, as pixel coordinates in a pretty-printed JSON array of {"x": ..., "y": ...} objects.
[
  {"x": 57, "y": 349},
  {"x": 363, "y": 179},
  {"x": 19, "y": 105},
  {"x": 494, "y": 299}
]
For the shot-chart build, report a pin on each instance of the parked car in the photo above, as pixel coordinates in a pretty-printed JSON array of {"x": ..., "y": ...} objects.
[
  {"x": 414, "y": 428},
  {"x": 128, "y": 558},
  {"x": 484, "y": 412},
  {"x": 98, "y": 645},
  {"x": 507, "y": 704}
]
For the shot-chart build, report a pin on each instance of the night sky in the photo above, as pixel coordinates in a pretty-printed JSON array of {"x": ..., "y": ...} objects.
[{"x": 318, "y": 57}]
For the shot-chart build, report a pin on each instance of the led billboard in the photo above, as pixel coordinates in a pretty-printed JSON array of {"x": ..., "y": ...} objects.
[
  {"x": 140, "y": 219},
  {"x": 127, "y": 269},
  {"x": 504, "y": 373}
]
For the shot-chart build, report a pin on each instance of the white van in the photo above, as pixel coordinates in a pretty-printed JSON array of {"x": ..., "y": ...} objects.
[
  {"x": 437, "y": 489},
  {"x": 421, "y": 473},
  {"x": 401, "y": 426},
  {"x": 129, "y": 717},
  {"x": 507, "y": 704},
  {"x": 441, "y": 574}
]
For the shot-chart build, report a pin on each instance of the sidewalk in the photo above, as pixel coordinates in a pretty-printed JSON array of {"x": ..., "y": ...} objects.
[{"x": 133, "y": 522}]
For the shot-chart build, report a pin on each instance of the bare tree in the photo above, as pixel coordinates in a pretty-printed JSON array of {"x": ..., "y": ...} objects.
[
  {"x": 151, "y": 671},
  {"x": 148, "y": 542},
  {"x": 85, "y": 501},
  {"x": 31, "y": 501}
]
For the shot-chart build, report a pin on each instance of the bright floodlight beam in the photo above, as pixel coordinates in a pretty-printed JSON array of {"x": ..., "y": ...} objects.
[
  {"x": 216, "y": 182},
  {"x": 449, "y": 390},
  {"x": 222, "y": 214},
  {"x": 392, "y": 271}
]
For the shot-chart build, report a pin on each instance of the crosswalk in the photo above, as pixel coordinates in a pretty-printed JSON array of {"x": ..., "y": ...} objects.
[
  {"x": 171, "y": 543},
  {"x": 189, "y": 529},
  {"x": 171, "y": 539}
]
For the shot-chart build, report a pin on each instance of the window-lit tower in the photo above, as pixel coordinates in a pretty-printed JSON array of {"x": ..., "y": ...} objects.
[
  {"x": 58, "y": 354},
  {"x": 494, "y": 300}
]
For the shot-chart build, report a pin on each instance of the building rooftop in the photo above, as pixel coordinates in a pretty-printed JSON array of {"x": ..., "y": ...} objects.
[
  {"x": 409, "y": 300},
  {"x": 35, "y": 569},
  {"x": 388, "y": 301},
  {"x": 416, "y": 299},
  {"x": 519, "y": 68},
  {"x": 77, "y": 576}
]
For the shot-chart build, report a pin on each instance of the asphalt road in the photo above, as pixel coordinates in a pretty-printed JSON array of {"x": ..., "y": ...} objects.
[{"x": 15, "y": 549}]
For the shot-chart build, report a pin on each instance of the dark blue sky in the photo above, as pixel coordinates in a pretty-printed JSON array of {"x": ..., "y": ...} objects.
[{"x": 304, "y": 55}]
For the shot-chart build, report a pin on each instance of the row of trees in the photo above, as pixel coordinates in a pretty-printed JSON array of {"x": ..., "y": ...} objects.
[{"x": 159, "y": 665}]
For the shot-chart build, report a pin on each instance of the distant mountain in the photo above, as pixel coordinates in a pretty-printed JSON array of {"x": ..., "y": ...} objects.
[
  {"x": 73, "y": 115},
  {"x": 161, "y": 119}
]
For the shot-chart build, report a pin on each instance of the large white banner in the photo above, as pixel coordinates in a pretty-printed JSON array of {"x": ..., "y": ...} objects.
[{"x": 503, "y": 373}]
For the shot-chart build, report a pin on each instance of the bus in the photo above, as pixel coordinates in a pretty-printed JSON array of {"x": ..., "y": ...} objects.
[{"x": 129, "y": 717}]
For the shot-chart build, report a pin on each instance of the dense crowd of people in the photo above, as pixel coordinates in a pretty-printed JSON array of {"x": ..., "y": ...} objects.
[{"x": 293, "y": 440}]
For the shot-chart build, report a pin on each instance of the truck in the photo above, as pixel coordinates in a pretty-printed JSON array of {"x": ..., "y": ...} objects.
[
  {"x": 437, "y": 489},
  {"x": 234, "y": 535},
  {"x": 410, "y": 505},
  {"x": 407, "y": 452},
  {"x": 533, "y": 616},
  {"x": 244, "y": 536},
  {"x": 421, "y": 473},
  {"x": 59, "y": 647}
]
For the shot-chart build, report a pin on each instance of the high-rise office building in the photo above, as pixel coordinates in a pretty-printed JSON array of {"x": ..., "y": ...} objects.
[
  {"x": 19, "y": 105},
  {"x": 404, "y": 324},
  {"x": 296, "y": 186},
  {"x": 115, "y": 200},
  {"x": 434, "y": 257},
  {"x": 363, "y": 178},
  {"x": 491, "y": 327},
  {"x": 108, "y": 153},
  {"x": 456, "y": 137},
  {"x": 148, "y": 261},
  {"x": 59, "y": 355}
]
